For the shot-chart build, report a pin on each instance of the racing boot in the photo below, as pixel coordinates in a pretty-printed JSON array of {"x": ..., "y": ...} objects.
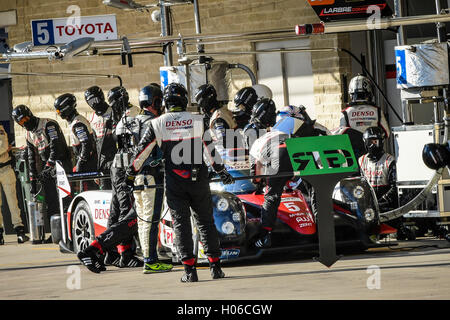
[
  {"x": 265, "y": 240},
  {"x": 91, "y": 258},
  {"x": 112, "y": 258},
  {"x": 216, "y": 270},
  {"x": 21, "y": 236},
  {"x": 2, "y": 241},
  {"x": 129, "y": 260},
  {"x": 190, "y": 274},
  {"x": 48, "y": 240}
]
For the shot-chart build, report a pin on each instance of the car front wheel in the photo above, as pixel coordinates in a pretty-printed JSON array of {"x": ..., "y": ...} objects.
[{"x": 82, "y": 227}]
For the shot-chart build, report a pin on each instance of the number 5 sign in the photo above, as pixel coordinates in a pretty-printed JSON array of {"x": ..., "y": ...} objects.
[
  {"x": 64, "y": 30},
  {"x": 42, "y": 32},
  {"x": 400, "y": 61}
]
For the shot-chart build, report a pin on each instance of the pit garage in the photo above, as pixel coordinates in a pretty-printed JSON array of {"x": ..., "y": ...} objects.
[{"x": 301, "y": 53}]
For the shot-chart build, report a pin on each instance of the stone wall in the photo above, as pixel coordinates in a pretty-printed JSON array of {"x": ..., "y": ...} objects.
[{"x": 217, "y": 16}]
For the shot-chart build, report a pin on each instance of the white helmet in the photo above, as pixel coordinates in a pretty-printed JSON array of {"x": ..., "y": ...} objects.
[
  {"x": 290, "y": 111},
  {"x": 262, "y": 91},
  {"x": 288, "y": 125},
  {"x": 360, "y": 89}
]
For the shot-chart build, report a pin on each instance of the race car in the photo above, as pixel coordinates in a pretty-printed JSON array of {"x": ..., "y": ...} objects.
[
  {"x": 237, "y": 217},
  {"x": 236, "y": 210}
]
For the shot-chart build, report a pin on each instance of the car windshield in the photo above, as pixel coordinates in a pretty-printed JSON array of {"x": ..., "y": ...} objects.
[{"x": 238, "y": 187}]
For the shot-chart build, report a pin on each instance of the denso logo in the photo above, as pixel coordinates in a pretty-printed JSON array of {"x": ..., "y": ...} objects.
[
  {"x": 101, "y": 213},
  {"x": 179, "y": 123},
  {"x": 363, "y": 113}
]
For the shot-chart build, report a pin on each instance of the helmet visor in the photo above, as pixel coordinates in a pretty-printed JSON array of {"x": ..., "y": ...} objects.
[
  {"x": 373, "y": 142},
  {"x": 22, "y": 122}
]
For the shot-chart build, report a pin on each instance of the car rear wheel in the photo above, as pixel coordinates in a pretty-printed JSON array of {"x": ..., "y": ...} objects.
[{"x": 82, "y": 227}]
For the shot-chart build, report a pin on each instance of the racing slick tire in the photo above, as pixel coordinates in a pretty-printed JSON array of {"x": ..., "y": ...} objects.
[{"x": 82, "y": 227}]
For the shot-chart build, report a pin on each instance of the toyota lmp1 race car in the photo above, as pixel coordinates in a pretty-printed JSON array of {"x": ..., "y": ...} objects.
[{"x": 237, "y": 215}]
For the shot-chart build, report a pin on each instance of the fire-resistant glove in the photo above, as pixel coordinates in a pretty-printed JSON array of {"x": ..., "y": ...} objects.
[
  {"x": 225, "y": 176},
  {"x": 33, "y": 187},
  {"x": 48, "y": 173}
]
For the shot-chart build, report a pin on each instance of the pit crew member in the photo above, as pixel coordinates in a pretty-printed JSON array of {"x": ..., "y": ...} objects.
[
  {"x": 82, "y": 137},
  {"x": 271, "y": 158},
  {"x": 103, "y": 125},
  {"x": 115, "y": 246},
  {"x": 362, "y": 112},
  {"x": 8, "y": 185},
  {"x": 44, "y": 138},
  {"x": 148, "y": 201},
  {"x": 179, "y": 134}
]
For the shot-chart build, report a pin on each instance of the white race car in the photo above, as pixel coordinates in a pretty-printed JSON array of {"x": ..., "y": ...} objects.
[{"x": 87, "y": 216}]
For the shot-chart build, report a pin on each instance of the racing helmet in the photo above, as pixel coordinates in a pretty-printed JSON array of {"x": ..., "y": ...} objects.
[
  {"x": 206, "y": 97},
  {"x": 151, "y": 97},
  {"x": 290, "y": 111},
  {"x": 24, "y": 117},
  {"x": 175, "y": 97},
  {"x": 360, "y": 89},
  {"x": 289, "y": 125},
  {"x": 373, "y": 141},
  {"x": 436, "y": 156},
  {"x": 264, "y": 113},
  {"x": 262, "y": 91},
  {"x": 155, "y": 84},
  {"x": 118, "y": 100},
  {"x": 296, "y": 123},
  {"x": 95, "y": 98},
  {"x": 244, "y": 100},
  {"x": 65, "y": 105}
]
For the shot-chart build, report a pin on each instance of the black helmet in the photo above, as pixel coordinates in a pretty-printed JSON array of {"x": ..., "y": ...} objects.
[
  {"x": 155, "y": 84},
  {"x": 24, "y": 117},
  {"x": 246, "y": 97},
  {"x": 373, "y": 141},
  {"x": 436, "y": 156},
  {"x": 151, "y": 97},
  {"x": 264, "y": 113},
  {"x": 95, "y": 98},
  {"x": 206, "y": 97},
  {"x": 65, "y": 105},
  {"x": 175, "y": 97},
  {"x": 118, "y": 100}
]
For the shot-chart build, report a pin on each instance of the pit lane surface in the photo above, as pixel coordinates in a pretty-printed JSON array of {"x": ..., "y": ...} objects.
[{"x": 411, "y": 270}]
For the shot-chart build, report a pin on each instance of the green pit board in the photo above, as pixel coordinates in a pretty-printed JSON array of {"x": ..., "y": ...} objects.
[{"x": 322, "y": 155}]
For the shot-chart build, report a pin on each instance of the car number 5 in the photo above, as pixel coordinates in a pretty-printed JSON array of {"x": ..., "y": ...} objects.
[{"x": 291, "y": 206}]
